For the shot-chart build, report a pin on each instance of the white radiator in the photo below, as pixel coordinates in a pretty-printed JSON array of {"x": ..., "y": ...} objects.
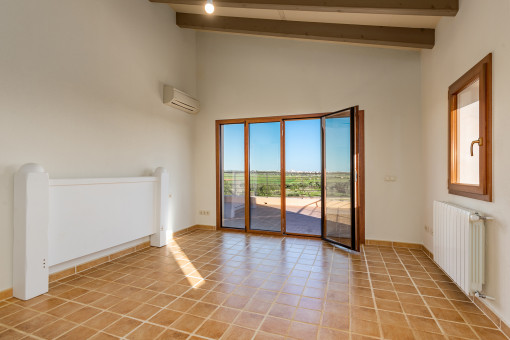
[{"x": 459, "y": 245}]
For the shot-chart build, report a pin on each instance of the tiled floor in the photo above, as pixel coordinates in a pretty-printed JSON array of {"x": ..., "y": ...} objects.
[{"x": 237, "y": 286}]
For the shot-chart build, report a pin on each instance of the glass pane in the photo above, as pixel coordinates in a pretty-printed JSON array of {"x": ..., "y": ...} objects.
[
  {"x": 233, "y": 175},
  {"x": 338, "y": 180},
  {"x": 303, "y": 176},
  {"x": 265, "y": 196},
  {"x": 468, "y": 130}
]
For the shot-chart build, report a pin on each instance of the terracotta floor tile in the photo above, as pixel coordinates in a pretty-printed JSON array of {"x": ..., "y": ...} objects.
[
  {"x": 11, "y": 334},
  {"x": 30, "y": 326},
  {"x": 267, "y": 336},
  {"x": 258, "y": 306},
  {"x": 181, "y": 304},
  {"x": 171, "y": 334},
  {"x": 122, "y": 326},
  {"x": 236, "y": 301},
  {"x": 18, "y": 317},
  {"x": 79, "y": 332},
  {"x": 418, "y": 310},
  {"x": 225, "y": 314},
  {"x": 307, "y": 315},
  {"x": 145, "y": 331},
  {"x": 239, "y": 333},
  {"x": 393, "y": 306},
  {"x": 363, "y": 313},
  {"x": 396, "y": 332},
  {"x": 365, "y": 327},
  {"x": 423, "y": 324},
  {"x": 422, "y": 335},
  {"x": 311, "y": 303},
  {"x": 282, "y": 311},
  {"x": 475, "y": 319},
  {"x": 332, "y": 334},
  {"x": 457, "y": 329},
  {"x": 125, "y": 306},
  {"x": 55, "y": 329},
  {"x": 103, "y": 336},
  {"x": 275, "y": 325},
  {"x": 303, "y": 331},
  {"x": 187, "y": 323},
  {"x": 244, "y": 286},
  {"x": 249, "y": 320},
  {"x": 446, "y": 314},
  {"x": 489, "y": 333},
  {"x": 102, "y": 320},
  {"x": 212, "y": 329},
  {"x": 165, "y": 317},
  {"x": 392, "y": 318}
]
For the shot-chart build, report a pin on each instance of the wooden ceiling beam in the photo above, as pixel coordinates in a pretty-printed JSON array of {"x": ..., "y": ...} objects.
[
  {"x": 361, "y": 34},
  {"x": 401, "y": 7}
]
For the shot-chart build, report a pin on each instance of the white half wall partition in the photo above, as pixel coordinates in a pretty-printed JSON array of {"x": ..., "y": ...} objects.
[{"x": 59, "y": 220}]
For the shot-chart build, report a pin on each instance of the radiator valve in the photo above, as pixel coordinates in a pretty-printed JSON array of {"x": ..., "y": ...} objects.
[{"x": 483, "y": 296}]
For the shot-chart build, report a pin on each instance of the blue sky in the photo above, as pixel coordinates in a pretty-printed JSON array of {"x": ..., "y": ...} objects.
[{"x": 302, "y": 139}]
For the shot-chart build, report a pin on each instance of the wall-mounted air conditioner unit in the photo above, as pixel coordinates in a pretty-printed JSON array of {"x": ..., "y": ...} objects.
[{"x": 180, "y": 100}]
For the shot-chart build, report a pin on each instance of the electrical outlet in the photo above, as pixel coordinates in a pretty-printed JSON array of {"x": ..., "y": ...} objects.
[
  {"x": 207, "y": 212},
  {"x": 204, "y": 212}
]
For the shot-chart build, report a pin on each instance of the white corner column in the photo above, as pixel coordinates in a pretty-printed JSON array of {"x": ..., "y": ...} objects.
[
  {"x": 160, "y": 238},
  {"x": 31, "y": 220}
]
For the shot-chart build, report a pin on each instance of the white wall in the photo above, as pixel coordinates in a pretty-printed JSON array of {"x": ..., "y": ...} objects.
[
  {"x": 479, "y": 28},
  {"x": 246, "y": 76},
  {"x": 80, "y": 93}
]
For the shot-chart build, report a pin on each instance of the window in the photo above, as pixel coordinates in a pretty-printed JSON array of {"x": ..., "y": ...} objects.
[{"x": 470, "y": 133}]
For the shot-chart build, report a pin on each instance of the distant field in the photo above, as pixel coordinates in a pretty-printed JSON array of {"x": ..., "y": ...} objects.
[{"x": 298, "y": 184}]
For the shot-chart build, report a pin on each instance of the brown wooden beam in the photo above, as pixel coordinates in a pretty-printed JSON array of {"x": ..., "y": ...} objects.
[
  {"x": 374, "y": 35},
  {"x": 407, "y": 7}
]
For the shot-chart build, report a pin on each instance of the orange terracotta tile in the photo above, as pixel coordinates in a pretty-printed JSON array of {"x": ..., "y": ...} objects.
[
  {"x": 79, "y": 332},
  {"x": 239, "y": 333},
  {"x": 165, "y": 317},
  {"x": 212, "y": 329},
  {"x": 457, "y": 329},
  {"x": 122, "y": 326},
  {"x": 249, "y": 320},
  {"x": 171, "y": 334},
  {"x": 146, "y": 331},
  {"x": 55, "y": 329},
  {"x": 274, "y": 325},
  {"x": 102, "y": 320},
  {"x": 365, "y": 327},
  {"x": 304, "y": 331},
  {"x": 187, "y": 323},
  {"x": 396, "y": 332}
]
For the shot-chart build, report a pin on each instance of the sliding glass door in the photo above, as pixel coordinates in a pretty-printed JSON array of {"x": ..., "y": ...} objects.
[
  {"x": 338, "y": 178},
  {"x": 265, "y": 177},
  {"x": 303, "y": 180},
  {"x": 232, "y": 176},
  {"x": 292, "y": 175}
]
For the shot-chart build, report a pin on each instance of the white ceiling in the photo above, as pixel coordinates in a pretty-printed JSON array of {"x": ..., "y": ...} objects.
[{"x": 414, "y": 21}]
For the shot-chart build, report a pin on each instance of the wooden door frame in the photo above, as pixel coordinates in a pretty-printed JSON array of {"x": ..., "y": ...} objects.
[{"x": 359, "y": 164}]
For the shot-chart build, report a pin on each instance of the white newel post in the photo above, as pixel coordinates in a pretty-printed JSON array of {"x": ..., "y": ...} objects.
[
  {"x": 31, "y": 220},
  {"x": 160, "y": 238}
]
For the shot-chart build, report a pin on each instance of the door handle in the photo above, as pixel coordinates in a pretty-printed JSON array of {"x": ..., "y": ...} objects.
[{"x": 479, "y": 141}]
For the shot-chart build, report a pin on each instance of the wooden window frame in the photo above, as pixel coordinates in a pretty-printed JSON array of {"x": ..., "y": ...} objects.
[{"x": 483, "y": 191}]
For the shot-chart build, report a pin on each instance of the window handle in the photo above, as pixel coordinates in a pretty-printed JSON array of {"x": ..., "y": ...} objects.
[{"x": 479, "y": 141}]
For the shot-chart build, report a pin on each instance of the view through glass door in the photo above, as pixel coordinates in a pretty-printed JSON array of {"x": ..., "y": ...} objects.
[
  {"x": 338, "y": 178},
  {"x": 265, "y": 177},
  {"x": 292, "y": 175},
  {"x": 303, "y": 182}
]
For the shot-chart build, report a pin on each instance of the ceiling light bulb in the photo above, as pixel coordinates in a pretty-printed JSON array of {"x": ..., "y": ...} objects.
[{"x": 209, "y": 7}]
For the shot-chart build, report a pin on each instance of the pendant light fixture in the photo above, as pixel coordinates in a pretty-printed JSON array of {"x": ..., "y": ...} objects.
[{"x": 209, "y": 7}]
